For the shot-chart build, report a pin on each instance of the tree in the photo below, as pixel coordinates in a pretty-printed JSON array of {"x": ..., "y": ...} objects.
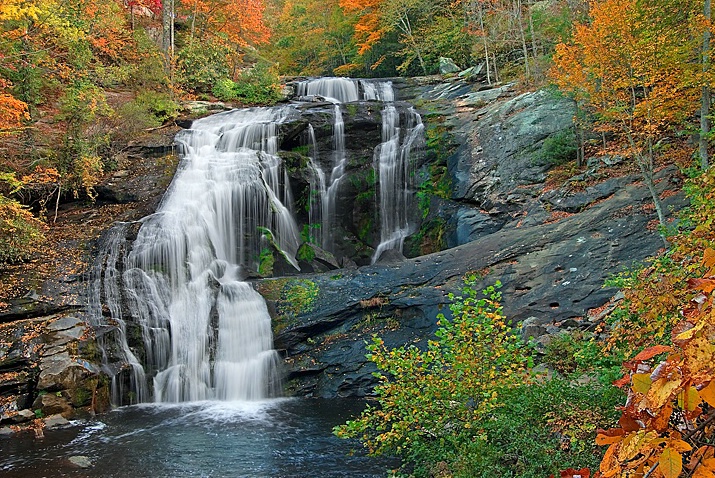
[
  {"x": 632, "y": 66},
  {"x": 705, "y": 96},
  {"x": 438, "y": 395}
]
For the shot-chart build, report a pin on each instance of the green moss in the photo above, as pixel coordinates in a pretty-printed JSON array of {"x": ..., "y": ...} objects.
[
  {"x": 292, "y": 298},
  {"x": 306, "y": 253},
  {"x": 265, "y": 262}
]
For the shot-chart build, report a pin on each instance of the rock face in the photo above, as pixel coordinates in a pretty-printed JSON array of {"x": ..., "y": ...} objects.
[
  {"x": 484, "y": 207},
  {"x": 50, "y": 369},
  {"x": 551, "y": 248}
]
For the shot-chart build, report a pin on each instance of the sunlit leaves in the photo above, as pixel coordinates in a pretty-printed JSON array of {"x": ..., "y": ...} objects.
[
  {"x": 669, "y": 406},
  {"x": 451, "y": 383}
]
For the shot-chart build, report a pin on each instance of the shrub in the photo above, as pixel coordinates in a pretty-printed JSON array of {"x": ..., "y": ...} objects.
[
  {"x": 158, "y": 104},
  {"x": 257, "y": 86},
  {"x": 557, "y": 149},
  {"x": 432, "y": 402},
  {"x": 202, "y": 65},
  {"x": 20, "y": 231}
]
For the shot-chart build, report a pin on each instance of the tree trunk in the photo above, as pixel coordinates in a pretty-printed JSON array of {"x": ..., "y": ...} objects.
[
  {"x": 525, "y": 50},
  {"x": 705, "y": 103},
  {"x": 167, "y": 33},
  {"x": 484, "y": 42}
]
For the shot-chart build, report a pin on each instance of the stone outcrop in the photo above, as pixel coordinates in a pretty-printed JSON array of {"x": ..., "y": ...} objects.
[
  {"x": 551, "y": 248},
  {"x": 484, "y": 208}
]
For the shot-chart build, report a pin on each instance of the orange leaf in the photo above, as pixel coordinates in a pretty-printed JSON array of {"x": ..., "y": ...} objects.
[
  {"x": 606, "y": 437},
  {"x": 651, "y": 352},
  {"x": 571, "y": 473},
  {"x": 708, "y": 393},
  {"x": 705, "y": 285},
  {"x": 670, "y": 463},
  {"x": 709, "y": 257}
]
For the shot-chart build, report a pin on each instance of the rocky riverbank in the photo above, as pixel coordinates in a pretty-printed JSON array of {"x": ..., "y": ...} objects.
[{"x": 488, "y": 204}]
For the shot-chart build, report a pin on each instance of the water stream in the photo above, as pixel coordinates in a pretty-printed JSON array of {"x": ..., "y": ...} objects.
[{"x": 188, "y": 327}]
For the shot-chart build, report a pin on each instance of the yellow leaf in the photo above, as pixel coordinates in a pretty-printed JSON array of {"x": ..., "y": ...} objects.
[
  {"x": 708, "y": 393},
  {"x": 641, "y": 382},
  {"x": 670, "y": 463},
  {"x": 634, "y": 444},
  {"x": 661, "y": 391},
  {"x": 689, "y": 399},
  {"x": 680, "y": 446}
]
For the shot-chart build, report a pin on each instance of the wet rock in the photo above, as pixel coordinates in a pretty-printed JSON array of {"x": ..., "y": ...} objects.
[
  {"x": 55, "y": 421},
  {"x": 52, "y": 404},
  {"x": 60, "y": 372},
  {"x": 81, "y": 461}
]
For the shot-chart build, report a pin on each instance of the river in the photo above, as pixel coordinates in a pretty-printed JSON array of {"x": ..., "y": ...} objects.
[{"x": 272, "y": 439}]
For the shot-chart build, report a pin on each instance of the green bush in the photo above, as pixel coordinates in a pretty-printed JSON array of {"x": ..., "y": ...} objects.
[
  {"x": 158, "y": 104},
  {"x": 20, "y": 231},
  {"x": 255, "y": 86},
  {"x": 433, "y": 401},
  {"x": 201, "y": 65},
  {"x": 225, "y": 90},
  {"x": 540, "y": 429},
  {"x": 559, "y": 148}
]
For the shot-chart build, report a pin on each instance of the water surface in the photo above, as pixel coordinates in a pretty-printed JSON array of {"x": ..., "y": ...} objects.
[{"x": 279, "y": 438}]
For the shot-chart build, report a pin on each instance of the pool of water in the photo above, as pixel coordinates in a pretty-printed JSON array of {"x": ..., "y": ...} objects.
[{"x": 279, "y": 438}]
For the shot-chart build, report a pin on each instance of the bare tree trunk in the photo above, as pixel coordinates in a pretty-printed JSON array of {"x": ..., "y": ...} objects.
[
  {"x": 706, "y": 100},
  {"x": 484, "y": 42},
  {"x": 166, "y": 21},
  {"x": 520, "y": 26}
]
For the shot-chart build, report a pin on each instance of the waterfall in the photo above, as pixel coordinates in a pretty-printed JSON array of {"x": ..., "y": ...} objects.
[
  {"x": 392, "y": 160},
  {"x": 187, "y": 326},
  {"x": 392, "y": 156},
  {"x": 206, "y": 333}
]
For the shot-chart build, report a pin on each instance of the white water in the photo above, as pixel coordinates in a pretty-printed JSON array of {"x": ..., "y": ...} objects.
[
  {"x": 207, "y": 334},
  {"x": 195, "y": 331},
  {"x": 392, "y": 157}
]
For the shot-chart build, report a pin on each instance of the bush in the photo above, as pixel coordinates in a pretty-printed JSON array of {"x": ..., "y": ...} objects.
[
  {"x": 433, "y": 402},
  {"x": 255, "y": 86},
  {"x": 202, "y": 65},
  {"x": 158, "y": 104},
  {"x": 224, "y": 89},
  {"x": 540, "y": 429},
  {"x": 557, "y": 149},
  {"x": 20, "y": 231}
]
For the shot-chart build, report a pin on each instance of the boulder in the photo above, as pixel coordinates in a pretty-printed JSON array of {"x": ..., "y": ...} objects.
[
  {"x": 447, "y": 66},
  {"x": 52, "y": 404}
]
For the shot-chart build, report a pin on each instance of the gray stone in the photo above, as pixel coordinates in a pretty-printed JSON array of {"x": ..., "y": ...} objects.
[
  {"x": 6, "y": 431},
  {"x": 531, "y": 328},
  {"x": 23, "y": 416},
  {"x": 55, "y": 421},
  {"x": 447, "y": 66},
  {"x": 64, "y": 323},
  {"x": 62, "y": 373},
  {"x": 81, "y": 461}
]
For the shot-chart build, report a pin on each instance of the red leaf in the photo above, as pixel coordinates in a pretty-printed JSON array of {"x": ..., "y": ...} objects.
[
  {"x": 571, "y": 473},
  {"x": 651, "y": 352},
  {"x": 705, "y": 285},
  {"x": 623, "y": 381}
]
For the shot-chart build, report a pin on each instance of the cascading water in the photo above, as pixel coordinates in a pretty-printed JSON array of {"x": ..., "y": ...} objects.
[
  {"x": 207, "y": 334},
  {"x": 392, "y": 156},
  {"x": 393, "y": 163},
  {"x": 188, "y": 327}
]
